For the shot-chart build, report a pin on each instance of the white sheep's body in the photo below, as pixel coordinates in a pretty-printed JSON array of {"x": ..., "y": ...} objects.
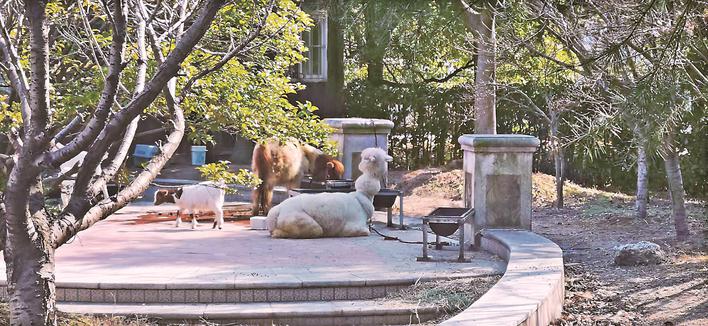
[
  {"x": 195, "y": 199},
  {"x": 332, "y": 214}
]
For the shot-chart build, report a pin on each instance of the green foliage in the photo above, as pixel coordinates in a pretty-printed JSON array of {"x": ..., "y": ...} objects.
[
  {"x": 123, "y": 176},
  {"x": 409, "y": 43},
  {"x": 406, "y": 43},
  {"x": 10, "y": 117},
  {"x": 427, "y": 120},
  {"x": 221, "y": 172},
  {"x": 249, "y": 96}
]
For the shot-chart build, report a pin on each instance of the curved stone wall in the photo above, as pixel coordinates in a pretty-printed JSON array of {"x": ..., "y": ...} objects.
[{"x": 531, "y": 292}]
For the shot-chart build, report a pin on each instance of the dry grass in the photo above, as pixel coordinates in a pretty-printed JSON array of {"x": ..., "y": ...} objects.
[
  {"x": 83, "y": 320},
  {"x": 544, "y": 192},
  {"x": 450, "y": 296},
  {"x": 447, "y": 188}
]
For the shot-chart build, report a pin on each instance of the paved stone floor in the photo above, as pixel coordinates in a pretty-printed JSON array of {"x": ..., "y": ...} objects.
[{"x": 128, "y": 248}]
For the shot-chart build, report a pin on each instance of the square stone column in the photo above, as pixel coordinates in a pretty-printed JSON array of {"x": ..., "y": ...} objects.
[
  {"x": 498, "y": 180},
  {"x": 354, "y": 135}
]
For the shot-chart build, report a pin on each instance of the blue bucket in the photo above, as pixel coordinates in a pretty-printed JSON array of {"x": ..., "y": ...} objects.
[
  {"x": 198, "y": 155},
  {"x": 145, "y": 151}
]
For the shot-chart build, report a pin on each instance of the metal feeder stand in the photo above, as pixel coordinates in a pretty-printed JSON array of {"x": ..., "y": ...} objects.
[{"x": 444, "y": 221}]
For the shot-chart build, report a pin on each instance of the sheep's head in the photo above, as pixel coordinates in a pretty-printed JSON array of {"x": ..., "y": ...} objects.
[
  {"x": 373, "y": 162},
  {"x": 327, "y": 168},
  {"x": 167, "y": 196}
]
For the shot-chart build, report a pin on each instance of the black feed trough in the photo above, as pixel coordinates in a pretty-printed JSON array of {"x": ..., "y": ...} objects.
[
  {"x": 446, "y": 229},
  {"x": 344, "y": 185},
  {"x": 385, "y": 198},
  {"x": 444, "y": 221}
]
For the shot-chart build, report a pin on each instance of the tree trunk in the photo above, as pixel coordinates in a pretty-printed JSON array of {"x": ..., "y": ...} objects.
[
  {"x": 675, "y": 182},
  {"x": 30, "y": 285},
  {"x": 482, "y": 24},
  {"x": 29, "y": 256},
  {"x": 642, "y": 180},
  {"x": 560, "y": 177},
  {"x": 557, "y": 158},
  {"x": 378, "y": 36}
]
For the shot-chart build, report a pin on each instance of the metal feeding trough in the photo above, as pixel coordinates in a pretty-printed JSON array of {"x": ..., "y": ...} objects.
[
  {"x": 444, "y": 221},
  {"x": 308, "y": 183},
  {"x": 385, "y": 199}
]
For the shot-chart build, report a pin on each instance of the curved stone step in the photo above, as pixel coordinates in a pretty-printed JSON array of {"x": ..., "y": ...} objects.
[
  {"x": 213, "y": 294},
  {"x": 531, "y": 292},
  {"x": 367, "y": 312},
  {"x": 284, "y": 288}
]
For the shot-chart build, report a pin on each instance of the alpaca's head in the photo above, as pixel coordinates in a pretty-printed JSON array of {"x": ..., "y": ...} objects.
[{"x": 374, "y": 161}]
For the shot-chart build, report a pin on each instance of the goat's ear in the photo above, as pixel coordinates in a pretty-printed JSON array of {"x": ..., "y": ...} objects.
[
  {"x": 330, "y": 165},
  {"x": 178, "y": 193}
]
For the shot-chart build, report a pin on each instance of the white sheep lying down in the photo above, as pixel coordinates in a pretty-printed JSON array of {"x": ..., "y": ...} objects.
[
  {"x": 310, "y": 216},
  {"x": 332, "y": 214},
  {"x": 194, "y": 199}
]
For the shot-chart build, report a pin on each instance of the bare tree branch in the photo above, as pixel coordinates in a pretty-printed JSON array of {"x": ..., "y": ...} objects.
[
  {"x": 529, "y": 103},
  {"x": 110, "y": 88},
  {"x": 119, "y": 157},
  {"x": 79, "y": 202},
  {"x": 231, "y": 54},
  {"x": 71, "y": 127},
  {"x": 17, "y": 77},
  {"x": 39, "y": 65}
]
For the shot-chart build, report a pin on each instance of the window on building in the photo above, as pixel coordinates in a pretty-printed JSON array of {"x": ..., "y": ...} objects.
[{"x": 314, "y": 68}]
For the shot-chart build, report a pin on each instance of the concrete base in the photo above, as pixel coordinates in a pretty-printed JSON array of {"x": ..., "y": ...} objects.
[
  {"x": 258, "y": 223},
  {"x": 353, "y": 135},
  {"x": 498, "y": 180}
]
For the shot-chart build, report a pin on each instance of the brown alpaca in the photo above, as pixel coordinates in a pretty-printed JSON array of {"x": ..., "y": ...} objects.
[
  {"x": 326, "y": 168},
  {"x": 284, "y": 165}
]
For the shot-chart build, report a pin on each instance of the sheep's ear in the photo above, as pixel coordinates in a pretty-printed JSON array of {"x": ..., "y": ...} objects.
[
  {"x": 371, "y": 158},
  {"x": 178, "y": 193},
  {"x": 389, "y": 158}
]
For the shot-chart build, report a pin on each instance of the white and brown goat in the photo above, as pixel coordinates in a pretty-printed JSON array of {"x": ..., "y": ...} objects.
[{"x": 193, "y": 199}]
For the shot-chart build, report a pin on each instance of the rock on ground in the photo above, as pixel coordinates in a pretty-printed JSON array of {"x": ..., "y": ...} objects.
[{"x": 640, "y": 253}]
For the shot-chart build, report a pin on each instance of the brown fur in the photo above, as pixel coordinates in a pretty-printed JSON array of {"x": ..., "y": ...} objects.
[
  {"x": 284, "y": 165},
  {"x": 167, "y": 196},
  {"x": 327, "y": 168}
]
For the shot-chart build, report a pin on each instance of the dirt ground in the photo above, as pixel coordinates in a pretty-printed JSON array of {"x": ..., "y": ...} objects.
[{"x": 587, "y": 229}]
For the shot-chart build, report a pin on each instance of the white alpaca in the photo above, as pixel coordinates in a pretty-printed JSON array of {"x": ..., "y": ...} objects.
[
  {"x": 332, "y": 214},
  {"x": 193, "y": 199}
]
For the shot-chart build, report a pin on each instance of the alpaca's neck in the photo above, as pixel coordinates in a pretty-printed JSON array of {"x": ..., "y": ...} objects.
[{"x": 368, "y": 185}]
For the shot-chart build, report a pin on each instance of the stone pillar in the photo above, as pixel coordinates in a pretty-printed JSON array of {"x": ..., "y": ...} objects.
[
  {"x": 353, "y": 135},
  {"x": 498, "y": 180}
]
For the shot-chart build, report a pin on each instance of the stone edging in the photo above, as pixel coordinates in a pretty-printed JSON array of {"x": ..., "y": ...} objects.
[
  {"x": 284, "y": 289},
  {"x": 531, "y": 292}
]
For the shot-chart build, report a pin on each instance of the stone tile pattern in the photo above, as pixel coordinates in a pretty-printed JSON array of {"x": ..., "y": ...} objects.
[
  {"x": 310, "y": 313},
  {"x": 328, "y": 293},
  {"x": 404, "y": 319},
  {"x": 531, "y": 291}
]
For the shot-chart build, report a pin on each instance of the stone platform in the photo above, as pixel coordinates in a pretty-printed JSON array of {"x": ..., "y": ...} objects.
[{"x": 137, "y": 258}]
